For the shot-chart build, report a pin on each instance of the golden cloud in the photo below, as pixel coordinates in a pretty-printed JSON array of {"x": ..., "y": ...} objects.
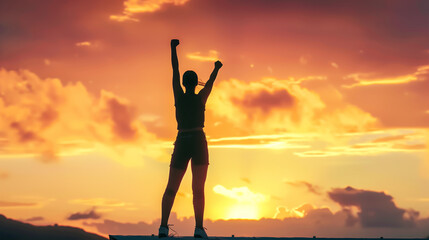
[
  {"x": 283, "y": 212},
  {"x": 273, "y": 106},
  {"x": 425, "y": 162},
  {"x": 83, "y": 44},
  {"x": 123, "y": 18},
  {"x": 211, "y": 57},
  {"x": 142, "y": 6},
  {"x": 373, "y": 143},
  {"x": 241, "y": 194},
  {"x": 274, "y": 141},
  {"x": 48, "y": 119},
  {"x": 364, "y": 80}
]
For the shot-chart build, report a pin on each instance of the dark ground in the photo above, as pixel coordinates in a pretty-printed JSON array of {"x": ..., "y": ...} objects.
[{"x": 15, "y": 230}]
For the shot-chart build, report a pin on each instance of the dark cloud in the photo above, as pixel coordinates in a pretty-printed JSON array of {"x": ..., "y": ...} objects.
[
  {"x": 376, "y": 209},
  {"x": 122, "y": 118},
  {"x": 90, "y": 214},
  {"x": 48, "y": 116},
  {"x": 310, "y": 187},
  {"x": 320, "y": 222},
  {"x": 266, "y": 101},
  {"x": 34, "y": 219},
  {"x": 351, "y": 220},
  {"x": 118, "y": 228},
  {"x": 23, "y": 134}
]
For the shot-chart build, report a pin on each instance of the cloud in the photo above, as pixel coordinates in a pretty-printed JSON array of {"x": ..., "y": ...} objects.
[
  {"x": 390, "y": 138},
  {"x": 48, "y": 119},
  {"x": 99, "y": 202},
  {"x": 142, "y": 6},
  {"x": 362, "y": 150},
  {"x": 241, "y": 194},
  {"x": 122, "y": 119},
  {"x": 184, "y": 194},
  {"x": 266, "y": 101},
  {"x": 310, "y": 187},
  {"x": 7, "y": 204},
  {"x": 376, "y": 209},
  {"x": 117, "y": 228},
  {"x": 362, "y": 79},
  {"x": 90, "y": 214},
  {"x": 268, "y": 141},
  {"x": 320, "y": 222},
  {"x": 211, "y": 57},
  {"x": 246, "y": 180},
  {"x": 283, "y": 212},
  {"x": 34, "y": 219},
  {"x": 373, "y": 143},
  {"x": 83, "y": 44},
  {"x": 323, "y": 222},
  {"x": 123, "y": 18},
  {"x": 250, "y": 106}
]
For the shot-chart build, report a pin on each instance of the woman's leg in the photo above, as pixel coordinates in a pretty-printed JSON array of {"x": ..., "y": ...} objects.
[
  {"x": 199, "y": 174},
  {"x": 174, "y": 180}
]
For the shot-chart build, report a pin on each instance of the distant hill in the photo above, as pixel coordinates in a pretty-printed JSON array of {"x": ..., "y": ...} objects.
[{"x": 15, "y": 230}]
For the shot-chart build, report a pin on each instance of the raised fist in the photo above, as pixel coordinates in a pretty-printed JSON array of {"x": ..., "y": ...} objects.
[
  {"x": 174, "y": 42},
  {"x": 218, "y": 64}
]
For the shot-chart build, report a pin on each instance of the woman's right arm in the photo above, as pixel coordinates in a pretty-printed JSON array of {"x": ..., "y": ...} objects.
[{"x": 177, "y": 89}]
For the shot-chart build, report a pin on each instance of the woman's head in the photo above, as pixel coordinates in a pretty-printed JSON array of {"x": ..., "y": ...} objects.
[{"x": 190, "y": 80}]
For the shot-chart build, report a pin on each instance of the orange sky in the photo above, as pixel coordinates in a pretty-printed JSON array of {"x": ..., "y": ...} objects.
[{"x": 320, "y": 113}]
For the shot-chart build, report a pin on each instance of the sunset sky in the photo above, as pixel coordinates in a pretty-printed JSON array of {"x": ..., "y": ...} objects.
[{"x": 318, "y": 122}]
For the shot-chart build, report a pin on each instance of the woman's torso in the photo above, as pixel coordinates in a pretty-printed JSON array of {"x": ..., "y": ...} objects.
[{"x": 189, "y": 112}]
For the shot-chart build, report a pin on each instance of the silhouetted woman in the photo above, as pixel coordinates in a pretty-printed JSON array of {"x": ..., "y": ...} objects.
[{"x": 190, "y": 143}]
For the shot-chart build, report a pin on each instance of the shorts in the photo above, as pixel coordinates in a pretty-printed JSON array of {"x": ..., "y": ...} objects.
[{"x": 190, "y": 145}]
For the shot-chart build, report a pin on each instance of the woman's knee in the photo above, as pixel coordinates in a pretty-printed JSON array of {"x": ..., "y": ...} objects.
[{"x": 198, "y": 192}]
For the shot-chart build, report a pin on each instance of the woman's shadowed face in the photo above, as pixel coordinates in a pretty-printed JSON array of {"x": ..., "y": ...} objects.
[{"x": 190, "y": 79}]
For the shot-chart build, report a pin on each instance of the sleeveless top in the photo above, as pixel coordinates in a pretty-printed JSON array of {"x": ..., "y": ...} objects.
[{"x": 189, "y": 111}]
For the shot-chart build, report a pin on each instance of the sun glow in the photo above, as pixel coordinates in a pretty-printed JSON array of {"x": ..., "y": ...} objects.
[
  {"x": 246, "y": 204},
  {"x": 243, "y": 211}
]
